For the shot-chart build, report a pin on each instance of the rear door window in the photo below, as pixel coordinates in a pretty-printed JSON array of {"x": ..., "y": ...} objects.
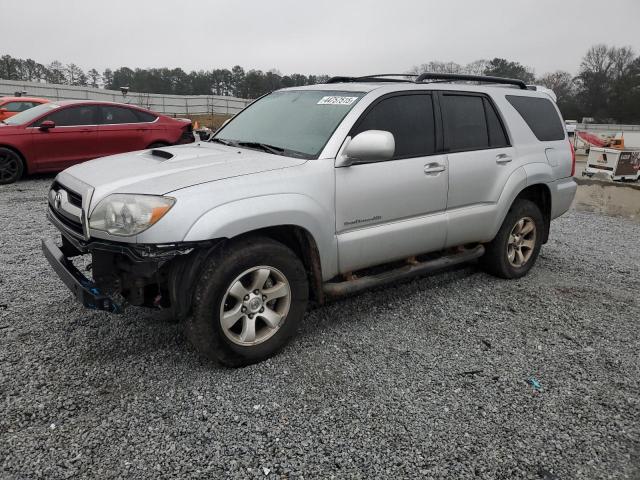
[
  {"x": 409, "y": 118},
  {"x": 540, "y": 115},
  {"x": 471, "y": 123},
  {"x": 465, "y": 124},
  {"x": 112, "y": 115},
  {"x": 145, "y": 116}
]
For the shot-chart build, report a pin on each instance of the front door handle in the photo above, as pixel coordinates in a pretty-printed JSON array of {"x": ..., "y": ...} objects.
[
  {"x": 433, "y": 168},
  {"x": 503, "y": 158}
]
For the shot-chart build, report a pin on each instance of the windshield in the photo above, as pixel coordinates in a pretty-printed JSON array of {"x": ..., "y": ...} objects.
[
  {"x": 31, "y": 114},
  {"x": 291, "y": 123}
]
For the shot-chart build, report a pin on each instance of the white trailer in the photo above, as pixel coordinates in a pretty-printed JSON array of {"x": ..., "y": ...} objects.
[{"x": 618, "y": 165}]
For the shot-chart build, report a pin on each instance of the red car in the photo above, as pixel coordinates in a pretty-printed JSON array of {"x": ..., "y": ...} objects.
[
  {"x": 10, "y": 106},
  {"x": 56, "y": 135}
]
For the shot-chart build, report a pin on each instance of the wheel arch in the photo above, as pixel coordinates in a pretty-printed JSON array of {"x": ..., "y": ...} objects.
[
  {"x": 540, "y": 194},
  {"x": 184, "y": 271},
  {"x": 302, "y": 243}
]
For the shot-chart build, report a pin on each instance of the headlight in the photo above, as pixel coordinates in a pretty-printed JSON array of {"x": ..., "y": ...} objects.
[{"x": 127, "y": 214}]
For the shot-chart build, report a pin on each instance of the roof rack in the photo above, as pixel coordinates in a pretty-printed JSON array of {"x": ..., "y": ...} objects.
[
  {"x": 384, "y": 77},
  {"x": 388, "y": 77},
  {"x": 471, "y": 78}
]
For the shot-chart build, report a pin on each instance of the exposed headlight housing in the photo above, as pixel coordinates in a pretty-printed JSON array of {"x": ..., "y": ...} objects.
[{"x": 127, "y": 214}]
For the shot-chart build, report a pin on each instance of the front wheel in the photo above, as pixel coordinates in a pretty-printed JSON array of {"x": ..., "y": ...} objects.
[
  {"x": 11, "y": 166},
  {"x": 514, "y": 250},
  {"x": 249, "y": 301}
]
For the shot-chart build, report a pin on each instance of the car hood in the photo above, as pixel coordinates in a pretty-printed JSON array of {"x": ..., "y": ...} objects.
[{"x": 173, "y": 168}]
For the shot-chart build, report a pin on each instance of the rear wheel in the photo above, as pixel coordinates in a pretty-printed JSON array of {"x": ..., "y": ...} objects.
[
  {"x": 11, "y": 166},
  {"x": 514, "y": 250},
  {"x": 250, "y": 298}
]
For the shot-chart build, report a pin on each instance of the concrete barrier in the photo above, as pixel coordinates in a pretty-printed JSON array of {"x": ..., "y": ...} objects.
[
  {"x": 174, "y": 105},
  {"x": 611, "y": 198}
]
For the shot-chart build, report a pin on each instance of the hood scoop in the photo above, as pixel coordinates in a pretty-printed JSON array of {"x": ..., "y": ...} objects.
[{"x": 162, "y": 154}]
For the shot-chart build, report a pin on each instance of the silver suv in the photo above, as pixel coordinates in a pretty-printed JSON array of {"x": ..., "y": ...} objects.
[{"x": 316, "y": 192}]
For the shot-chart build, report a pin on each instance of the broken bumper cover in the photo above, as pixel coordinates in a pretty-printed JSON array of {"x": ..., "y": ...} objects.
[{"x": 82, "y": 288}]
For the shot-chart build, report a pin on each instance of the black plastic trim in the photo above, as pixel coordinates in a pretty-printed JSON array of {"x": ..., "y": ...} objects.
[
  {"x": 83, "y": 289},
  {"x": 383, "y": 77},
  {"x": 471, "y": 78}
]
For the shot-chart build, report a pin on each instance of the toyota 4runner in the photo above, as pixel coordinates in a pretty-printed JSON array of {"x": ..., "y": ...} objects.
[{"x": 315, "y": 192}]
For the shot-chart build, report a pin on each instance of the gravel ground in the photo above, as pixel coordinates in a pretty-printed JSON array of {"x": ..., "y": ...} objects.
[{"x": 428, "y": 379}]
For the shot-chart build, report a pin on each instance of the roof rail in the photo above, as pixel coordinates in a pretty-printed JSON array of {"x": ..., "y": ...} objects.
[
  {"x": 374, "y": 78},
  {"x": 471, "y": 78},
  {"x": 389, "y": 77}
]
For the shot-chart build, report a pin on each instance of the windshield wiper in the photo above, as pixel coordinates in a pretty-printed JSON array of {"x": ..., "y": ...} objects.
[
  {"x": 220, "y": 140},
  {"x": 262, "y": 146},
  {"x": 265, "y": 147}
]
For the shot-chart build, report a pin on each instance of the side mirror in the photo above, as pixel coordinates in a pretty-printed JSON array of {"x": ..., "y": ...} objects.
[
  {"x": 369, "y": 146},
  {"x": 47, "y": 124}
]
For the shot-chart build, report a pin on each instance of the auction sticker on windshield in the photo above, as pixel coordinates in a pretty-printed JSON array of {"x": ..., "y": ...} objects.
[{"x": 337, "y": 100}]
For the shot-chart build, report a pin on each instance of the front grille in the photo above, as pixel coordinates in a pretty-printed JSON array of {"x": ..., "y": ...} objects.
[
  {"x": 67, "y": 222},
  {"x": 74, "y": 198}
]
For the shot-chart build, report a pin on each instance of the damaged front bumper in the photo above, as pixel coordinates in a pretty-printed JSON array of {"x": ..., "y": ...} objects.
[
  {"x": 135, "y": 274},
  {"x": 85, "y": 291}
]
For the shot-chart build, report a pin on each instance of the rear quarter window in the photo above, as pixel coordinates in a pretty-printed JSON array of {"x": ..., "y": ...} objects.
[
  {"x": 145, "y": 116},
  {"x": 540, "y": 115}
]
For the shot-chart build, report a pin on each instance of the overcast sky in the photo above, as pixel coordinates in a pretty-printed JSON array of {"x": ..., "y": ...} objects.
[{"x": 301, "y": 36}]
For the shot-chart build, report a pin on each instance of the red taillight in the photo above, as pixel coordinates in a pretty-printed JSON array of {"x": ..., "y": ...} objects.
[{"x": 573, "y": 159}]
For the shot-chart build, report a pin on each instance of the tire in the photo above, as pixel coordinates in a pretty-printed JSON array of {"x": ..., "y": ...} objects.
[
  {"x": 11, "y": 166},
  {"x": 245, "y": 261},
  {"x": 501, "y": 258}
]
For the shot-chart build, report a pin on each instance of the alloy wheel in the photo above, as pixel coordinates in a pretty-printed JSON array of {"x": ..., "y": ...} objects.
[
  {"x": 521, "y": 243},
  {"x": 255, "y": 305}
]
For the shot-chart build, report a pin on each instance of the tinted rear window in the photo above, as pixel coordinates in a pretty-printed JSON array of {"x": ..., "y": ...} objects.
[
  {"x": 145, "y": 116},
  {"x": 465, "y": 123},
  {"x": 540, "y": 115},
  {"x": 112, "y": 115}
]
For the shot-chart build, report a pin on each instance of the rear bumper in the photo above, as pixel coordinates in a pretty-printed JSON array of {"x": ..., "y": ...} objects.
[{"x": 82, "y": 288}]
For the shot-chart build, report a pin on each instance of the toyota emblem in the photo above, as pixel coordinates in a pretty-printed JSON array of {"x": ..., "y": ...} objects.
[{"x": 57, "y": 201}]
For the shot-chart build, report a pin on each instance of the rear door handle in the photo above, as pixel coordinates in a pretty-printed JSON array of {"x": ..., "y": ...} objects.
[
  {"x": 432, "y": 168},
  {"x": 503, "y": 158}
]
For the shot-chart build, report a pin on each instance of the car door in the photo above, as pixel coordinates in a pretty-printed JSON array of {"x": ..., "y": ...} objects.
[
  {"x": 390, "y": 210},
  {"x": 73, "y": 139},
  {"x": 120, "y": 130},
  {"x": 481, "y": 160}
]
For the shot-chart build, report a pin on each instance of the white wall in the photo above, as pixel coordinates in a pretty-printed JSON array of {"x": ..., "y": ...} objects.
[{"x": 167, "y": 104}]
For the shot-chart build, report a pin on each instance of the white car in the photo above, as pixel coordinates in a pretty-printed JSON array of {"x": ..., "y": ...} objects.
[{"x": 306, "y": 189}]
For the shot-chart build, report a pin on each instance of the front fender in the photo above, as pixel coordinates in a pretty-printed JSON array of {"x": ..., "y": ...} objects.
[{"x": 249, "y": 214}]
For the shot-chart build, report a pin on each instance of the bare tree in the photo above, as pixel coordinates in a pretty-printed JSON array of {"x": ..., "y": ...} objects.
[
  {"x": 562, "y": 83},
  {"x": 56, "y": 73},
  {"x": 94, "y": 78}
]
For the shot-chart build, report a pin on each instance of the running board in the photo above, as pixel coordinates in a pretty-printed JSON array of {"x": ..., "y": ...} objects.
[{"x": 338, "y": 289}]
